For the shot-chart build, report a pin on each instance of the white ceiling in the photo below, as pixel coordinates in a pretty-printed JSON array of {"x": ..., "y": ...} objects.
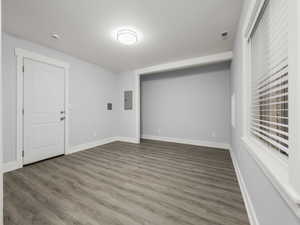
[{"x": 172, "y": 29}]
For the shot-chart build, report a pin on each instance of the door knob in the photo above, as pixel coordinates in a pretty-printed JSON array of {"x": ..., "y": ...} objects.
[
  {"x": 62, "y": 118},
  {"x": 62, "y": 112}
]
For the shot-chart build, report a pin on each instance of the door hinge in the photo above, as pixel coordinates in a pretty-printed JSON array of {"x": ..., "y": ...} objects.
[
  {"x": 23, "y": 112},
  {"x": 23, "y": 153},
  {"x": 23, "y": 68}
]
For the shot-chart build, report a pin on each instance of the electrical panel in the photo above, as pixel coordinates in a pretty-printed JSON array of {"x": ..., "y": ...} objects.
[{"x": 128, "y": 100}]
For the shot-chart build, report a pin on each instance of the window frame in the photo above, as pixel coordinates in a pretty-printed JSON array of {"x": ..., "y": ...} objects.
[
  {"x": 247, "y": 134},
  {"x": 281, "y": 170}
]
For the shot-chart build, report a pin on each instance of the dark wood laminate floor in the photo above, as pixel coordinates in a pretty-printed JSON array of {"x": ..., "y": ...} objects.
[{"x": 154, "y": 183}]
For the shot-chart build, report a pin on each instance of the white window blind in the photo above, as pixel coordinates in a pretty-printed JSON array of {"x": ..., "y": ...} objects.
[{"x": 269, "y": 121}]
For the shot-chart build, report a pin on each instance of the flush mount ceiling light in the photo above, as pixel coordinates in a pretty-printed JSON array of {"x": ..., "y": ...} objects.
[
  {"x": 55, "y": 36},
  {"x": 127, "y": 36}
]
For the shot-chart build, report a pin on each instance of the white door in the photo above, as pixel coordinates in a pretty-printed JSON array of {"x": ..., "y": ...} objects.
[{"x": 44, "y": 111}]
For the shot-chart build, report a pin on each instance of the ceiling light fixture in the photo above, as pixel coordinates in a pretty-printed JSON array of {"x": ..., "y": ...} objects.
[
  {"x": 55, "y": 36},
  {"x": 127, "y": 36}
]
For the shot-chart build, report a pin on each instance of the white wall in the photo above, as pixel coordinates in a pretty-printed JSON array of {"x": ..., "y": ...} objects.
[
  {"x": 269, "y": 206},
  {"x": 126, "y": 120},
  {"x": 1, "y": 129},
  {"x": 191, "y": 104},
  {"x": 90, "y": 87}
]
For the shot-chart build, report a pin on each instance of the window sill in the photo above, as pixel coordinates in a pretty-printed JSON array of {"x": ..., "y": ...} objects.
[{"x": 276, "y": 170}]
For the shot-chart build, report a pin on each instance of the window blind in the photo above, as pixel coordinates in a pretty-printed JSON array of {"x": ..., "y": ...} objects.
[{"x": 269, "y": 121}]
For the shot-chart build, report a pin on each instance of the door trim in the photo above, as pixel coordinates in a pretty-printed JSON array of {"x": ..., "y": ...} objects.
[{"x": 21, "y": 54}]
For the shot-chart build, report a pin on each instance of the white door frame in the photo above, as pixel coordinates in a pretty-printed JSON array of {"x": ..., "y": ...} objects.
[
  {"x": 188, "y": 63},
  {"x": 21, "y": 54}
]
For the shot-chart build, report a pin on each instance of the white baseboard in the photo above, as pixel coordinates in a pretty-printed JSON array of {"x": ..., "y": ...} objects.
[
  {"x": 10, "y": 166},
  {"x": 189, "y": 142},
  {"x": 93, "y": 144},
  {"x": 248, "y": 203},
  {"x": 128, "y": 139}
]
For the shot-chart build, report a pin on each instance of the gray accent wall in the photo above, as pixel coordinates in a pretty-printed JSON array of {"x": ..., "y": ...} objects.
[
  {"x": 190, "y": 104},
  {"x": 90, "y": 88},
  {"x": 269, "y": 206}
]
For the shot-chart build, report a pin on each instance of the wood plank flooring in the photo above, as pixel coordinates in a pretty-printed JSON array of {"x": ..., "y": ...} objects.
[{"x": 154, "y": 183}]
